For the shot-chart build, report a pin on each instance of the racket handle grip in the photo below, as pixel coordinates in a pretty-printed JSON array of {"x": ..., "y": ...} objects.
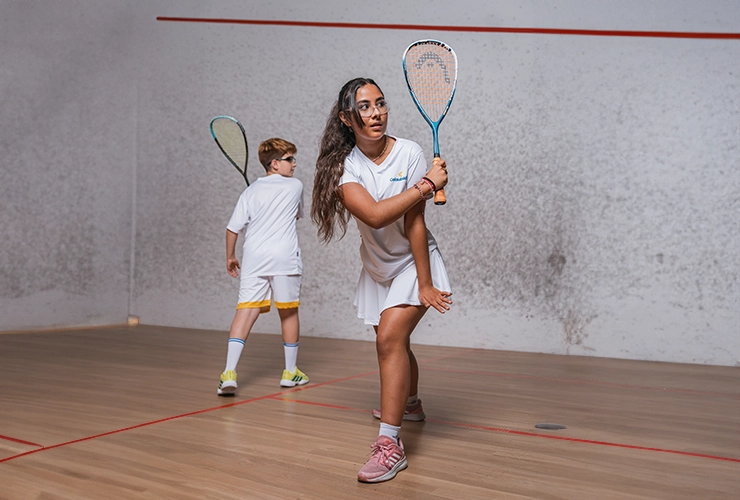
[{"x": 439, "y": 197}]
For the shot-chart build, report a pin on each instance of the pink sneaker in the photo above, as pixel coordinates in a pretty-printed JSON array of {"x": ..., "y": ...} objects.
[
  {"x": 388, "y": 458},
  {"x": 414, "y": 412}
]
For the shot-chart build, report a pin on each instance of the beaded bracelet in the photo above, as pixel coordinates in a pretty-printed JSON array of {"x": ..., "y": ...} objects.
[{"x": 431, "y": 193}]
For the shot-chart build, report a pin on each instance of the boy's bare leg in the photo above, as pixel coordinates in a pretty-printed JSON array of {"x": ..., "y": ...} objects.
[
  {"x": 395, "y": 360},
  {"x": 243, "y": 322},
  {"x": 289, "y": 324},
  {"x": 240, "y": 327}
]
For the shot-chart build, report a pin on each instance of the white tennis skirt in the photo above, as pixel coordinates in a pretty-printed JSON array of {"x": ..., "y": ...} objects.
[{"x": 372, "y": 298}]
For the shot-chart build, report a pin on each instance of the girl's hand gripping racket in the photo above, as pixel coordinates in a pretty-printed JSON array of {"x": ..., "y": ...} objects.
[
  {"x": 232, "y": 141},
  {"x": 430, "y": 68}
]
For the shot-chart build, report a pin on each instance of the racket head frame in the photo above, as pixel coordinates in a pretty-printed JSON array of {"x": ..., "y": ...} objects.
[
  {"x": 242, "y": 170},
  {"x": 433, "y": 123},
  {"x": 439, "y": 196}
]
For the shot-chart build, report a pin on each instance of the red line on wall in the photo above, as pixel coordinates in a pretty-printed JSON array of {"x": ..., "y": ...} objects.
[{"x": 463, "y": 29}]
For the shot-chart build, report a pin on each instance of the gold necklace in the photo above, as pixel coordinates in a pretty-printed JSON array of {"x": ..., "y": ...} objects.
[{"x": 384, "y": 148}]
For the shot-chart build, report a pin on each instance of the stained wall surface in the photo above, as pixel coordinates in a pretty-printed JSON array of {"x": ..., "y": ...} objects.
[
  {"x": 67, "y": 157},
  {"x": 593, "y": 203}
]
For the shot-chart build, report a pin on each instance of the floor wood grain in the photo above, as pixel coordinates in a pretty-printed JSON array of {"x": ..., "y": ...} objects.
[{"x": 132, "y": 412}]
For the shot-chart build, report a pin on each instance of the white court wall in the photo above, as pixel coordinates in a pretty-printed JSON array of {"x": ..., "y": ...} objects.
[
  {"x": 594, "y": 180},
  {"x": 67, "y": 156}
]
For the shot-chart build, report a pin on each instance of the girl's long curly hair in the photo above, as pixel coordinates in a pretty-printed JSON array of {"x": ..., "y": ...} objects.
[{"x": 327, "y": 210}]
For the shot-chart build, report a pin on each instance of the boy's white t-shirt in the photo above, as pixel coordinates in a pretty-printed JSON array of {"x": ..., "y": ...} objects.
[
  {"x": 268, "y": 210},
  {"x": 386, "y": 252}
]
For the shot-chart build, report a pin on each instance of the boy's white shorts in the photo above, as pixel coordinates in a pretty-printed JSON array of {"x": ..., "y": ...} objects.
[
  {"x": 372, "y": 298},
  {"x": 255, "y": 292}
]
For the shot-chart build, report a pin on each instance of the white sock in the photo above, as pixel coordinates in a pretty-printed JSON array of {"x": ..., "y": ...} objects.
[
  {"x": 233, "y": 353},
  {"x": 412, "y": 400},
  {"x": 291, "y": 356},
  {"x": 389, "y": 430}
]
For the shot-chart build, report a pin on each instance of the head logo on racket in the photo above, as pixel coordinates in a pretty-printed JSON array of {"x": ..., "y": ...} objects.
[{"x": 430, "y": 69}]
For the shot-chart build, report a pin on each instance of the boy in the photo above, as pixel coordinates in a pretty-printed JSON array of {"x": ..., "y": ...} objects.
[{"x": 267, "y": 211}]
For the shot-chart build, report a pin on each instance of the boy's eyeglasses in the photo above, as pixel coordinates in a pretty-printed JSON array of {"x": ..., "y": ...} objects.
[
  {"x": 366, "y": 110},
  {"x": 290, "y": 159}
]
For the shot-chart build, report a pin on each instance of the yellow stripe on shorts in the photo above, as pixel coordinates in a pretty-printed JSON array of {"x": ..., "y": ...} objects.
[
  {"x": 287, "y": 305},
  {"x": 263, "y": 305}
]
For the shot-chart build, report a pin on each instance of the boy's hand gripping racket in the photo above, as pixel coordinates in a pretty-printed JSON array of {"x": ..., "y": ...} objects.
[
  {"x": 430, "y": 68},
  {"x": 232, "y": 141}
]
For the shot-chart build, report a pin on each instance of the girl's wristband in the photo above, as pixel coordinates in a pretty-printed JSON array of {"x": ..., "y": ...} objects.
[{"x": 431, "y": 183}]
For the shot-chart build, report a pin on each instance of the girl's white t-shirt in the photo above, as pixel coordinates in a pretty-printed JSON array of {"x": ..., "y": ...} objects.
[
  {"x": 267, "y": 211},
  {"x": 386, "y": 252}
]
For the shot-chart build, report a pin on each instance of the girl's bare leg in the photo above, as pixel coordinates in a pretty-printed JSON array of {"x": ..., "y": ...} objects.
[
  {"x": 395, "y": 360},
  {"x": 414, "y": 369}
]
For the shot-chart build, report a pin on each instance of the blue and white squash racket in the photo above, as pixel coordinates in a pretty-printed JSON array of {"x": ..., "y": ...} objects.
[
  {"x": 232, "y": 141},
  {"x": 430, "y": 68}
]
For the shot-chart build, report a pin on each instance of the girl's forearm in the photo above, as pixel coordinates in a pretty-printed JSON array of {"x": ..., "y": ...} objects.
[{"x": 379, "y": 214}]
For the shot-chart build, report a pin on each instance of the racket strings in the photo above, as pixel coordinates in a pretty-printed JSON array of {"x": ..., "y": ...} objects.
[
  {"x": 432, "y": 72},
  {"x": 231, "y": 139}
]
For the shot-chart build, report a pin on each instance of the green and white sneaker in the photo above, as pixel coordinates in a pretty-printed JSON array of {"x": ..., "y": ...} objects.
[
  {"x": 227, "y": 385},
  {"x": 293, "y": 379}
]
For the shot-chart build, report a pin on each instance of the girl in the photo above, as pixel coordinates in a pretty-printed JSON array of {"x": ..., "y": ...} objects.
[{"x": 379, "y": 179}]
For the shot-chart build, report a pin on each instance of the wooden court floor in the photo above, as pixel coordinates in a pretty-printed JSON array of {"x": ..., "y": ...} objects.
[{"x": 132, "y": 413}]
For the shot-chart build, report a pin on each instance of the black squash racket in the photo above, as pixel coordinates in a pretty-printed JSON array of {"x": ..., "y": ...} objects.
[
  {"x": 232, "y": 141},
  {"x": 430, "y": 68}
]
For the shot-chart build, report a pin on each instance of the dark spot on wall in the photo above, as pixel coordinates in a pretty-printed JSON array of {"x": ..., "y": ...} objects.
[{"x": 557, "y": 262}]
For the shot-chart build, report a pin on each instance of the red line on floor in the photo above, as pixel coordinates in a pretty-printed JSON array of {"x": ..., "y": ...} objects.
[
  {"x": 7, "y": 438},
  {"x": 320, "y": 384},
  {"x": 323, "y": 405},
  {"x": 464, "y": 29},
  {"x": 577, "y": 440},
  {"x": 584, "y": 382},
  {"x": 280, "y": 396},
  {"x": 522, "y": 433},
  {"x": 189, "y": 414}
]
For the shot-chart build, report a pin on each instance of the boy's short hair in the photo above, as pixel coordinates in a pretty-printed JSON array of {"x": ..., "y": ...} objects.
[{"x": 274, "y": 148}]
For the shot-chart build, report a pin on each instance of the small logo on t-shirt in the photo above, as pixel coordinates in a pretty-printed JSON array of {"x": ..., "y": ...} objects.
[{"x": 399, "y": 177}]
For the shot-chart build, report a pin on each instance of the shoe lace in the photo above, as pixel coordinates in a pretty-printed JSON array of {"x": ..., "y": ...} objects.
[{"x": 381, "y": 452}]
